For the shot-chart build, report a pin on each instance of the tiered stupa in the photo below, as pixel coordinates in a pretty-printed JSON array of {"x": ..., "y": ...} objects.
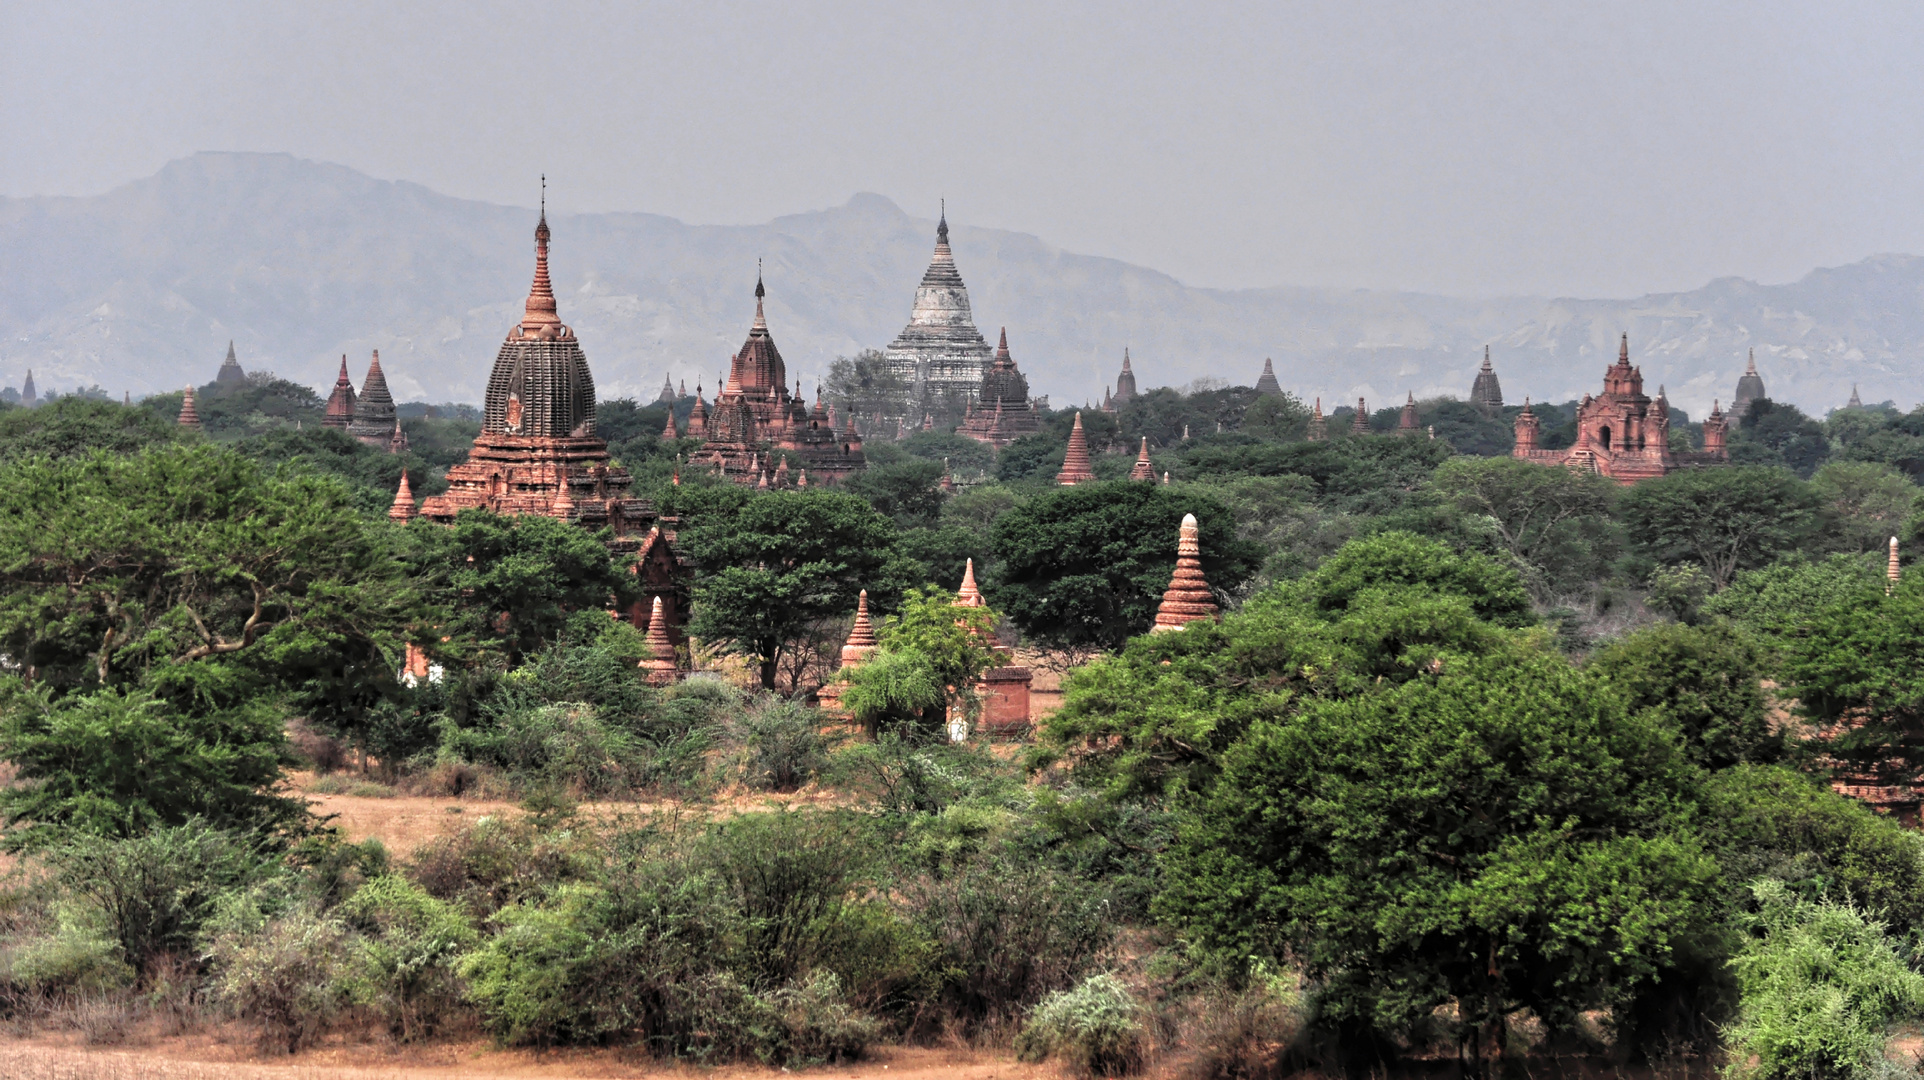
[
  {"x": 660, "y": 664},
  {"x": 755, "y": 408},
  {"x": 230, "y": 369},
  {"x": 340, "y": 404},
  {"x": 27, "y": 395},
  {"x": 1075, "y": 461},
  {"x": 1855, "y": 402},
  {"x": 939, "y": 353},
  {"x": 1318, "y": 423},
  {"x": 1266, "y": 382},
  {"x": 189, "y": 415},
  {"x": 1001, "y": 413},
  {"x": 1406, "y": 424},
  {"x": 1360, "y": 423},
  {"x": 1486, "y": 393},
  {"x": 1188, "y": 597},
  {"x": 861, "y": 637},
  {"x": 1143, "y": 470},
  {"x": 1749, "y": 388},
  {"x": 1004, "y": 688},
  {"x": 667, "y": 395},
  {"x": 403, "y": 509},
  {"x": 374, "y": 416}
]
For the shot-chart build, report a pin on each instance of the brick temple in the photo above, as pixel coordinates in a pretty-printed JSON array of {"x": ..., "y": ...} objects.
[
  {"x": 1623, "y": 433},
  {"x": 759, "y": 433},
  {"x": 1002, "y": 412},
  {"x": 538, "y": 452}
]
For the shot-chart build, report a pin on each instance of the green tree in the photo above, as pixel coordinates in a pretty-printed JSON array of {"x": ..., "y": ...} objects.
[
  {"x": 1705, "y": 681},
  {"x": 120, "y": 763},
  {"x": 1778, "y": 433},
  {"x": 782, "y": 563},
  {"x": 1774, "y": 602},
  {"x": 1857, "y": 670},
  {"x": 1725, "y": 520},
  {"x": 1502, "y": 834},
  {"x": 910, "y": 492},
  {"x": 931, "y": 654},
  {"x": 1159, "y": 716},
  {"x": 1087, "y": 565},
  {"x": 513, "y": 582},
  {"x": 863, "y": 386},
  {"x": 72, "y": 426},
  {"x": 1869, "y": 502},
  {"x": 1555, "y": 523}
]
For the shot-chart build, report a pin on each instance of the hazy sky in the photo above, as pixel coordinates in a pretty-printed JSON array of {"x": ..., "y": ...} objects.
[{"x": 1595, "y": 149}]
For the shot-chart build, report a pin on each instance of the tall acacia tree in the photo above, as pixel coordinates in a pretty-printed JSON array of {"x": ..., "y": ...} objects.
[
  {"x": 1725, "y": 520},
  {"x": 783, "y": 562}
]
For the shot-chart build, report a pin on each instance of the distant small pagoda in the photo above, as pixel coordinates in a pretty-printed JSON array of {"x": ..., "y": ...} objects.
[
  {"x": 230, "y": 369},
  {"x": 1002, "y": 412}
]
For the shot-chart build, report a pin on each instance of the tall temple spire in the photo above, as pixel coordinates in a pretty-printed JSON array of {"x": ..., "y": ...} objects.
[
  {"x": 1075, "y": 461},
  {"x": 1318, "y": 423},
  {"x": 1188, "y": 597},
  {"x": 761, "y": 320},
  {"x": 1486, "y": 393},
  {"x": 1623, "y": 350},
  {"x": 1891, "y": 571},
  {"x": 1750, "y": 368},
  {"x": 540, "y": 318},
  {"x": 340, "y": 404},
  {"x": 1406, "y": 424},
  {"x": 230, "y": 369},
  {"x": 1360, "y": 423},
  {"x": 1855, "y": 402}
]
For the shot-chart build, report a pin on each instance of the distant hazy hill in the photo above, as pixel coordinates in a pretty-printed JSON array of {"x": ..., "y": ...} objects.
[{"x": 141, "y": 288}]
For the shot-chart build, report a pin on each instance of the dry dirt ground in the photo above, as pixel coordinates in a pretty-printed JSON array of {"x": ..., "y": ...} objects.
[{"x": 45, "y": 1059}]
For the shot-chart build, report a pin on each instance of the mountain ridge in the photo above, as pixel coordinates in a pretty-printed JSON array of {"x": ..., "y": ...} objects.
[{"x": 141, "y": 287}]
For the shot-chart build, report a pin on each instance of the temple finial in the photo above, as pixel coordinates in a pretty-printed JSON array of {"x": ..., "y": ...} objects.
[{"x": 1623, "y": 349}]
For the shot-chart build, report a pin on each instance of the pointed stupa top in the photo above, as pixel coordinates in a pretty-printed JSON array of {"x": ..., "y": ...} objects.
[
  {"x": 1891, "y": 571},
  {"x": 660, "y": 661},
  {"x": 1075, "y": 462},
  {"x": 1749, "y": 388},
  {"x": 27, "y": 396},
  {"x": 861, "y": 637},
  {"x": 564, "y": 503},
  {"x": 539, "y": 318},
  {"x": 1266, "y": 383},
  {"x": 667, "y": 389},
  {"x": 1407, "y": 422},
  {"x": 1188, "y": 597},
  {"x": 761, "y": 319},
  {"x": 1486, "y": 392},
  {"x": 968, "y": 595},
  {"x": 1855, "y": 402},
  {"x": 1318, "y": 423},
  {"x": 403, "y": 509},
  {"x": 1360, "y": 423},
  {"x": 189, "y": 416},
  {"x": 1125, "y": 383},
  {"x": 340, "y": 404},
  {"x": 1623, "y": 350},
  {"x": 374, "y": 412},
  {"x": 668, "y": 430},
  {"x": 230, "y": 369},
  {"x": 1142, "y": 470}
]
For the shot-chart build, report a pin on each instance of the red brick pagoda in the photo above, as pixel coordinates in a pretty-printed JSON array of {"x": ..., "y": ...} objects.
[
  {"x": 1001, "y": 413},
  {"x": 538, "y": 452},
  {"x": 758, "y": 431},
  {"x": 1623, "y": 433}
]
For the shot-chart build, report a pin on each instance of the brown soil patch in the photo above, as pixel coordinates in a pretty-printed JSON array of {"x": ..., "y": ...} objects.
[{"x": 203, "y": 1059}]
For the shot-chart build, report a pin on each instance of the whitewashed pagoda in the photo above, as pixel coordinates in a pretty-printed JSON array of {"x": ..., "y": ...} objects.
[{"x": 940, "y": 352}]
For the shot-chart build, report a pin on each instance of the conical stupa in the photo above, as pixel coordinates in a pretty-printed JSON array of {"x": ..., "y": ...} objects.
[
  {"x": 1143, "y": 470},
  {"x": 1188, "y": 597},
  {"x": 1075, "y": 462},
  {"x": 403, "y": 509},
  {"x": 189, "y": 416}
]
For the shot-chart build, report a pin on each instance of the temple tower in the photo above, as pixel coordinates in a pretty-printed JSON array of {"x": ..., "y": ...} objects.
[
  {"x": 403, "y": 510},
  {"x": 1001, "y": 413},
  {"x": 340, "y": 404},
  {"x": 1318, "y": 423},
  {"x": 1855, "y": 402},
  {"x": 1188, "y": 597},
  {"x": 1528, "y": 431},
  {"x": 1406, "y": 424},
  {"x": 1716, "y": 429},
  {"x": 1486, "y": 393},
  {"x": 1125, "y": 383},
  {"x": 1360, "y": 423},
  {"x": 1142, "y": 469},
  {"x": 660, "y": 664},
  {"x": 1075, "y": 462},
  {"x": 1266, "y": 382},
  {"x": 374, "y": 414},
  {"x": 27, "y": 395},
  {"x": 1749, "y": 388},
  {"x": 940, "y": 352},
  {"x": 230, "y": 369},
  {"x": 189, "y": 415}
]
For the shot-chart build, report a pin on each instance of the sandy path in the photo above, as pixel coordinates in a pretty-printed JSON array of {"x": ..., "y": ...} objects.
[{"x": 39, "y": 1059}]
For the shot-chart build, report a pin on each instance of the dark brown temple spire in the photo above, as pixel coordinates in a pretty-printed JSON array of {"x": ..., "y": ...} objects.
[{"x": 541, "y": 319}]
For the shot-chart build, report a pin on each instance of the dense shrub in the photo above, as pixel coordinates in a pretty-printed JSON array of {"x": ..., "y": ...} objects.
[
  {"x": 1821, "y": 985},
  {"x": 779, "y": 745},
  {"x": 1096, "y": 1028},
  {"x": 1703, "y": 680},
  {"x": 290, "y": 974},
  {"x": 155, "y": 892},
  {"x": 411, "y": 944}
]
